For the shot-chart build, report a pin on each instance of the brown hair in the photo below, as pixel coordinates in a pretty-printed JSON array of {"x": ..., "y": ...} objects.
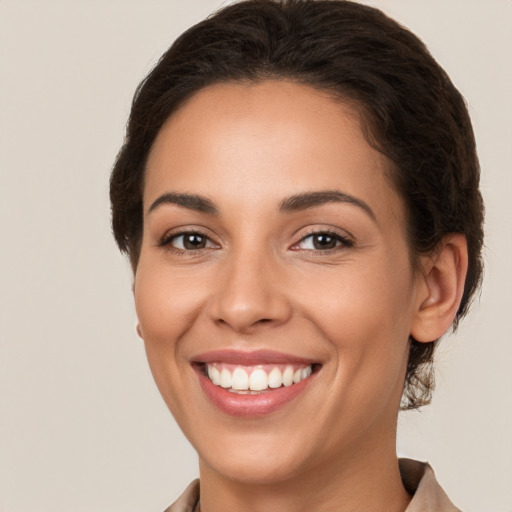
[{"x": 411, "y": 112}]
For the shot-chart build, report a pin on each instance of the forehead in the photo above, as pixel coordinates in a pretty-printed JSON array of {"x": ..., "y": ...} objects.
[{"x": 229, "y": 138}]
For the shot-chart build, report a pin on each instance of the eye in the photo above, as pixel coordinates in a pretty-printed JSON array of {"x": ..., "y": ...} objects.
[
  {"x": 189, "y": 241},
  {"x": 322, "y": 241}
]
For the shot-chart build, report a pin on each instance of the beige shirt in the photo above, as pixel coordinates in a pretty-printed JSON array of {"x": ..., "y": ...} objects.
[{"x": 418, "y": 478}]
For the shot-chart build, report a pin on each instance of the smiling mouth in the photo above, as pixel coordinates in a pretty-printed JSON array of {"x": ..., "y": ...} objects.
[
  {"x": 251, "y": 384},
  {"x": 256, "y": 379}
]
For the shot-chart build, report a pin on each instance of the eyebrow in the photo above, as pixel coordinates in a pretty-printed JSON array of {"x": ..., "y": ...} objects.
[
  {"x": 295, "y": 203},
  {"x": 307, "y": 200},
  {"x": 191, "y": 201}
]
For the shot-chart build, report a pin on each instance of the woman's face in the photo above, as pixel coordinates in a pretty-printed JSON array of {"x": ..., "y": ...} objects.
[{"x": 274, "y": 246}]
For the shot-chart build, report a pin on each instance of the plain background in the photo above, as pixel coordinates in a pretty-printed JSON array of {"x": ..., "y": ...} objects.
[{"x": 82, "y": 426}]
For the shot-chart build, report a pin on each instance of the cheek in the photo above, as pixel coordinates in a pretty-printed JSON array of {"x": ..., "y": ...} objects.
[
  {"x": 365, "y": 312},
  {"x": 166, "y": 304},
  {"x": 166, "y": 307},
  {"x": 355, "y": 301}
]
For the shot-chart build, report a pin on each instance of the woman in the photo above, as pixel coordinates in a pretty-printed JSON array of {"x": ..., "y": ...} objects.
[{"x": 298, "y": 196}]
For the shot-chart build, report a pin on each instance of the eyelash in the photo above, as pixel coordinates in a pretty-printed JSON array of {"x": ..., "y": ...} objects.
[
  {"x": 341, "y": 242},
  {"x": 167, "y": 241}
]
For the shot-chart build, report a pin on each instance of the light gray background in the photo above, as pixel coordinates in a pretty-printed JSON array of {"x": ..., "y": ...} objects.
[{"x": 82, "y": 426}]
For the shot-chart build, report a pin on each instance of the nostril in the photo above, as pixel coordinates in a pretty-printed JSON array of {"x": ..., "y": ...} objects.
[{"x": 247, "y": 326}]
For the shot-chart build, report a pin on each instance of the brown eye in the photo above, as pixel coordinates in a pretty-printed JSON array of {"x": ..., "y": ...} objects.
[
  {"x": 194, "y": 241},
  {"x": 324, "y": 241},
  {"x": 188, "y": 242}
]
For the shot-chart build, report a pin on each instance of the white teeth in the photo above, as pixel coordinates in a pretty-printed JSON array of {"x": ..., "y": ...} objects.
[
  {"x": 288, "y": 376},
  {"x": 225, "y": 378},
  {"x": 275, "y": 378},
  {"x": 258, "y": 380},
  {"x": 214, "y": 375},
  {"x": 306, "y": 372},
  {"x": 242, "y": 379}
]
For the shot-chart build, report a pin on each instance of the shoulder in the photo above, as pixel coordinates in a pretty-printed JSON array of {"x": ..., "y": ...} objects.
[
  {"x": 420, "y": 481},
  {"x": 187, "y": 502}
]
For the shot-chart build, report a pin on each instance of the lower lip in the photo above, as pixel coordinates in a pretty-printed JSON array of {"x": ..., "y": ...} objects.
[{"x": 261, "y": 404}]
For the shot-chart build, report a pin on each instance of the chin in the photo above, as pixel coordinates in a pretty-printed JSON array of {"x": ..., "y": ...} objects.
[{"x": 254, "y": 467}]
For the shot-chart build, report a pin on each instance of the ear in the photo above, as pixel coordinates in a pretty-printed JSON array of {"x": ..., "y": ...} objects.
[
  {"x": 441, "y": 285},
  {"x": 137, "y": 326}
]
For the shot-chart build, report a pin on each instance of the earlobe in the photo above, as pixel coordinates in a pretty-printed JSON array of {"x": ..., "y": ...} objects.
[
  {"x": 442, "y": 286},
  {"x": 139, "y": 331}
]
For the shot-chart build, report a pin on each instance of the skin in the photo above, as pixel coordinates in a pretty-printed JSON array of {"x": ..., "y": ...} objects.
[{"x": 259, "y": 283}]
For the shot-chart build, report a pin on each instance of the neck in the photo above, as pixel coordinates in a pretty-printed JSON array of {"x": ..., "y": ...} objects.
[{"x": 366, "y": 479}]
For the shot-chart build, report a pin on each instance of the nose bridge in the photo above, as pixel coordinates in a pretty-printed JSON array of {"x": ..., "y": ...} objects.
[{"x": 248, "y": 290}]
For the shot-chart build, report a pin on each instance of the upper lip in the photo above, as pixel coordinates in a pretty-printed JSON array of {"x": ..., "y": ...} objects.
[{"x": 249, "y": 358}]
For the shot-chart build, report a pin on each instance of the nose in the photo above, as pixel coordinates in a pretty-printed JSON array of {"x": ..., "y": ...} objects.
[{"x": 250, "y": 293}]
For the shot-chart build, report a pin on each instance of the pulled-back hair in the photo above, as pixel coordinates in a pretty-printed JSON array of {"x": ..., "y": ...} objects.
[{"x": 410, "y": 111}]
